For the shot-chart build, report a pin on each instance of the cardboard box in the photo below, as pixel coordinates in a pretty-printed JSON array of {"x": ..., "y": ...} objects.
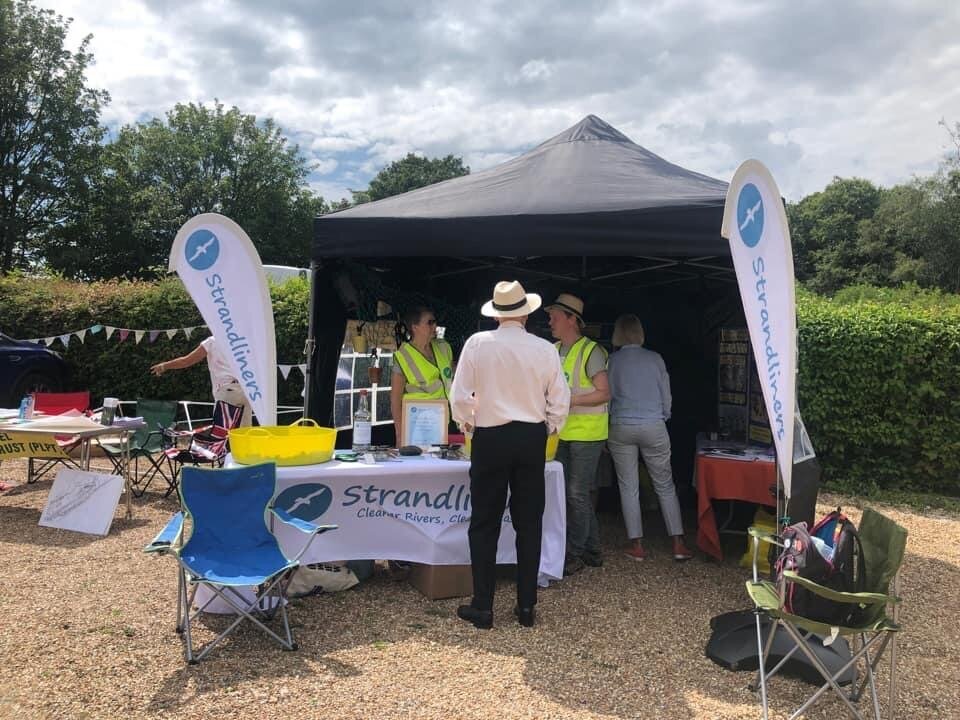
[{"x": 438, "y": 582}]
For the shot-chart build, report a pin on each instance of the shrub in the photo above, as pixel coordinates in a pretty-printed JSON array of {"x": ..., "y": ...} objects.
[
  {"x": 878, "y": 384},
  {"x": 879, "y": 390},
  {"x": 36, "y": 307}
]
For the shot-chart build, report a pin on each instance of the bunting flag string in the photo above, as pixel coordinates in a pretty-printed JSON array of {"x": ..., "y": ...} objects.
[
  {"x": 138, "y": 334},
  {"x": 286, "y": 369},
  {"x": 108, "y": 330}
]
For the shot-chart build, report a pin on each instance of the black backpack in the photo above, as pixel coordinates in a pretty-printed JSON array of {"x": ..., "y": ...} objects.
[{"x": 830, "y": 554}]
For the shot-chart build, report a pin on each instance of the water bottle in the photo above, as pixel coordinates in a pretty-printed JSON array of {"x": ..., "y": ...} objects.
[
  {"x": 24, "y": 407},
  {"x": 361, "y": 425}
]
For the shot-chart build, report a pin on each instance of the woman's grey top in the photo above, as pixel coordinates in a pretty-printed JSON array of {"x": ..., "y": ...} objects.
[{"x": 639, "y": 387}]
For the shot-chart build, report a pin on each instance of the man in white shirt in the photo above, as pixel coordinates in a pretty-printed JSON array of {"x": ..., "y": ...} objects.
[
  {"x": 225, "y": 386},
  {"x": 509, "y": 391}
]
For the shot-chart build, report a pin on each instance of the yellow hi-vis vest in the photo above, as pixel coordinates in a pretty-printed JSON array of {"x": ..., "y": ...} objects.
[
  {"x": 426, "y": 381},
  {"x": 585, "y": 422}
]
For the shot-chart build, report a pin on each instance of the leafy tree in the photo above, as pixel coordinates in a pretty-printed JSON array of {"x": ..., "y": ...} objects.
[
  {"x": 890, "y": 244},
  {"x": 49, "y": 129},
  {"x": 410, "y": 173},
  {"x": 940, "y": 246},
  {"x": 825, "y": 229},
  {"x": 156, "y": 175}
]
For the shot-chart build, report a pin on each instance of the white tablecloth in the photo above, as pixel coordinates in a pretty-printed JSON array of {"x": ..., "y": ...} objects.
[{"x": 416, "y": 509}]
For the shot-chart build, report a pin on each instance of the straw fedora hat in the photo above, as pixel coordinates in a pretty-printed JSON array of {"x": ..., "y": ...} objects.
[
  {"x": 569, "y": 303},
  {"x": 510, "y": 300}
]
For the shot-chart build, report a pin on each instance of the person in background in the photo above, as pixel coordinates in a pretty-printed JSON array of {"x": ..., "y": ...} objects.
[
  {"x": 225, "y": 386},
  {"x": 423, "y": 366},
  {"x": 583, "y": 436},
  {"x": 639, "y": 408},
  {"x": 510, "y": 392}
]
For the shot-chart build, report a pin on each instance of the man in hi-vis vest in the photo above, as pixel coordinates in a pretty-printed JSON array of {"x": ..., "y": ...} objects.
[
  {"x": 583, "y": 436},
  {"x": 423, "y": 367}
]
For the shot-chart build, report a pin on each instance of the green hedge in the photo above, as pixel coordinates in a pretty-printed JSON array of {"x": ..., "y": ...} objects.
[
  {"x": 879, "y": 382},
  {"x": 879, "y": 389},
  {"x": 41, "y": 307}
]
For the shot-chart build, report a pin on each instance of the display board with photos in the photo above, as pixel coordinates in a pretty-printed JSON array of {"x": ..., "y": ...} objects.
[{"x": 741, "y": 411}]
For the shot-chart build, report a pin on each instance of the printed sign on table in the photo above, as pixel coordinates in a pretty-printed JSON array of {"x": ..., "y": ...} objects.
[{"x": 16, "y": 445}]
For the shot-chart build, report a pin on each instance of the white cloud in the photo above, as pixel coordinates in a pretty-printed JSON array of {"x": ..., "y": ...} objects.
[{"x": 815, "y": 89}]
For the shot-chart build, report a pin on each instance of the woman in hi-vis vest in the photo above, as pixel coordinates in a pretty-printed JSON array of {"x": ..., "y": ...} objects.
[{"x": 422, "y": 367}]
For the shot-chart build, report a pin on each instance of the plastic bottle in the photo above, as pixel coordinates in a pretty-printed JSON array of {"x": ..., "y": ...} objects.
[
  {"x": 24, "y": 407},
  {"x": 361, "y": 425}
]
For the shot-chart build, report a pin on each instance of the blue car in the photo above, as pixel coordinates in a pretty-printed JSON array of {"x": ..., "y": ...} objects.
[{"x": 26, "y": 367}]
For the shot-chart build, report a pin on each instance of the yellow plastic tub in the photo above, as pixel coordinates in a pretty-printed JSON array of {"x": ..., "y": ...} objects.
[
  {"x": 302, "y": 443},
  {"x": 552, "y": 442}
]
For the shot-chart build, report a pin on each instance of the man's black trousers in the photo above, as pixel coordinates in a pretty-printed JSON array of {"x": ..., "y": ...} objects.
[{"x": 506, "y": 457}]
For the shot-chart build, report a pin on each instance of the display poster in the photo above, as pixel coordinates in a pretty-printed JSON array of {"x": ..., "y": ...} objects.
[
  {"x": 425, "y": 422},
  {"x": 734, "y": 363},
  {"x": 759, "y": 424}
]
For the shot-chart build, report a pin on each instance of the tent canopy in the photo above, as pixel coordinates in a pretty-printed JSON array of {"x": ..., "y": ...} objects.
[
  {"x": 588, "y": 211},
  {"x": 589, "y": 191}
]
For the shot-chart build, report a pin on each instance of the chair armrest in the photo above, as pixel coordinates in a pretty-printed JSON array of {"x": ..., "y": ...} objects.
[
  {"x": 861, "y": 598},
  {"x": 301, "y": 525},
  {"x": 168, "y": 536},
  {"x": 763, "y": 535}
]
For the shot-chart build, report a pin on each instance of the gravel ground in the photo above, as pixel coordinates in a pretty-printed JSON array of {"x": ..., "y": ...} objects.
[{"x": 86, "y": 631}]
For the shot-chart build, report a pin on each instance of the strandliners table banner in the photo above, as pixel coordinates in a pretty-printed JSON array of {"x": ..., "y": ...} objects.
[{"x": 415, "y": 509}]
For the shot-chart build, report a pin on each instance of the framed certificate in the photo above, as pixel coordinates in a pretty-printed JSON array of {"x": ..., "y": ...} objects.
[{"x": 425, "y": 422}]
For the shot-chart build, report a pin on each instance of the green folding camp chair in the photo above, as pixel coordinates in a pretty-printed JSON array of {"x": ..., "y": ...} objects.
[
  {"x": 884, "y": 543},
  {"x": 147, "y": 444}
]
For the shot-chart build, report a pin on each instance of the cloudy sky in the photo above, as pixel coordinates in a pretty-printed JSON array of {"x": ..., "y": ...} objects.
[{"x": 812, "y": 88}]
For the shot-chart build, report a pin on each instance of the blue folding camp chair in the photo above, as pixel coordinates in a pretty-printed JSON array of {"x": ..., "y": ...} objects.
[{"x": 230, "y": 546}]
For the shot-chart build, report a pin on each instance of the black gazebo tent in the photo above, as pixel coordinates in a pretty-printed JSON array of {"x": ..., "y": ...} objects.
[{"x": 588, "y": 211}]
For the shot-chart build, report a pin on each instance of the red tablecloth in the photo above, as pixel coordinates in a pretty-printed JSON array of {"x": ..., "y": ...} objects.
[{"x": 725, "y": 478}]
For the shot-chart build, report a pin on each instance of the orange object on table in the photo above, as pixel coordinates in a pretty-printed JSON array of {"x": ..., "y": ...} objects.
[{"x": 724, "y": 478}]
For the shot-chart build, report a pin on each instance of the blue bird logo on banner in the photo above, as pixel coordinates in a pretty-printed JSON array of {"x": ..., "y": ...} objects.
[
  {"x": 750, "y": 215},
  {"x": 202, "y": 249},
  {"x": 307, "y": 501}
]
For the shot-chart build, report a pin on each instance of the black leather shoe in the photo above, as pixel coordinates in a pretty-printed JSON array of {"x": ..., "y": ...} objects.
[
  {"x": 572, "y": 565},
  {"x": 525, "y": 616},
  {"x": 593, "y": 559},
  {"x": 482, "y": 619}
]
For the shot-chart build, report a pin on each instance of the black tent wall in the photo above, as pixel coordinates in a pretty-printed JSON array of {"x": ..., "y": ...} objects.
[{"x": 682, "y": 322}]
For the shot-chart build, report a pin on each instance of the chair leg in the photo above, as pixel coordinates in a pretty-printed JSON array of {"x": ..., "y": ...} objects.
[
  {"x": 291, "y": 645},
  {"x": 761, "y": 659},
  {"x": 825, "y": 672},
  {"x": 187, "y": 635},
  {"x": 755, "y": 685},
  {"x": 181, "y": 597},
  {"x": 245, "y": 611},
  {"x": 892, "y": 707},
  {"x": 138, "y": 489},
  {"x": 870, "y": 678}
]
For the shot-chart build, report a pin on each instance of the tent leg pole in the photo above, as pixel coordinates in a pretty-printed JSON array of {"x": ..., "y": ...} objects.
[{"x": 308, "y": 348}]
